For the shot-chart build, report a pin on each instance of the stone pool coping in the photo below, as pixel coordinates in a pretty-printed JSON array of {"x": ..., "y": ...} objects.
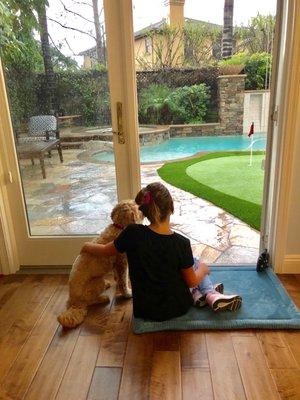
[{"x": 87, "y": 154}]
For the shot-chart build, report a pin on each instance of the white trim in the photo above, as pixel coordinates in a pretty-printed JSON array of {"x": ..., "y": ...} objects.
[
  {"x": 280, "y": 155},
  {"x": 291, "y": 264},
  {"x": 273, "y": 133},
  {"x": 289, "y": 110}
]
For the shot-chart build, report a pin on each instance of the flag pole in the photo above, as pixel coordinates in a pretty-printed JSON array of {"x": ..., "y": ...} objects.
[{"x": 250, "y": 164}]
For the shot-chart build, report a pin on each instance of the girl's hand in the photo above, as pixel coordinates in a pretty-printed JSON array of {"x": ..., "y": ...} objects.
[
  {"x": 101, "y": 250},
  {"x": 193, "y": 278},
  {"x": 204, "y": 269}
]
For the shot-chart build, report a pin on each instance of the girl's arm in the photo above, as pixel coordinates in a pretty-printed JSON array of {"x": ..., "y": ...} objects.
[
  {"x": 192, "y": 278},
  {"x": 97, "y": 249}
]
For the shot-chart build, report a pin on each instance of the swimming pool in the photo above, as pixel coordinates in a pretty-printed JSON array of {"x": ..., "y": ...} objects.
[{"x": 176, "y": 148}]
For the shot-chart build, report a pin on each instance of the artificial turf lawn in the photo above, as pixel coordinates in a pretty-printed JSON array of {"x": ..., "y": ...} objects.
[{"x": 224, "y": 179}]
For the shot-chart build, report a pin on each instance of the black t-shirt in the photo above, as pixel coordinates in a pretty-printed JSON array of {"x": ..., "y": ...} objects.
[{"x": 155, "y": 262}]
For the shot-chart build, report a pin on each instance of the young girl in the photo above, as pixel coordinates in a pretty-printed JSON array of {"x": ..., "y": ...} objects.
[{"x": 161, "y": 263}]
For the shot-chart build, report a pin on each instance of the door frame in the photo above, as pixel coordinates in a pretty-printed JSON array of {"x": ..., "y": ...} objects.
[
  {"x": 17, "y": 247},
  {"x": 284, "y": 112}
]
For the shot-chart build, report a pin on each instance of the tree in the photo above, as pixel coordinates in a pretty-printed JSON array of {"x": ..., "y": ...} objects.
[
  {"x": 227, "y": 42},
  {"x": 201, "y": 44},
  {"x": 99, "y": 43},
  {"x": 97, "y": 26},
  {"x": 17, "y": 22},
  {"x": 44, "y": 36},
  {"x": 257, "y": 37}
]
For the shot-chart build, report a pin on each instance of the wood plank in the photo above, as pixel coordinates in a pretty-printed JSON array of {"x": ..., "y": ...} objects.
[
  {"x": 242, "y": 332},
  {"x": 19, "y": 377},
  {"x": 51, "y": 371},
  {"x": 196, "y": 384},
  {"x": 256, "y": 376},
  {"x": 193, "y": 350},
  {"x": 137, "y": 367},
  {"x": 166, "y": 341},
  {"x": 105, "y": 384},
  {"x": 292, "y": 339},
  {"x": 12, "y": 278},
  {"x": 78, "y": 376},
  {"x": 9, "y": 286},
  {"x": 55, "y": 362},
  {"x": 292, "y": 286},
  {"x": 165, "y": 381},
  {"x": 14, "y": 308},
  {"x": 12, "y": 342},
  {"x": 226, "y": 380},
  {"x": 288, "y": 383},
  {"x": 114, "y": 340},
  {"x": 277, "y": 353},
  {"x": 98, "y": 314}
]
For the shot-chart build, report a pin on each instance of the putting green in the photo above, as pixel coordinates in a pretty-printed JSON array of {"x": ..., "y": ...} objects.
[
  {"x": 225, "y": 179},
  {"x": 232, "y": 176}
]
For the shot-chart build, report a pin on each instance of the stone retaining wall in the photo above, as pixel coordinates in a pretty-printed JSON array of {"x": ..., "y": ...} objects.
[
  {"x": 231, "y": 103},
  {"x": 211, "y": 129}
]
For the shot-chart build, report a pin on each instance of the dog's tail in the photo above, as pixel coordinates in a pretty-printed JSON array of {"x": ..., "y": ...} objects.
[{"x": 72, "y": 317}]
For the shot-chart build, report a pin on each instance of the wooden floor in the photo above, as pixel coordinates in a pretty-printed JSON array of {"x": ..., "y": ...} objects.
[{"x": 103, "y": 360}]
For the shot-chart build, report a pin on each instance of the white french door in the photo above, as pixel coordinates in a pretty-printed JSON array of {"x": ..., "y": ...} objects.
[
  {"x": 280, "y": 139},
  {"x": 21, "y": 245}
]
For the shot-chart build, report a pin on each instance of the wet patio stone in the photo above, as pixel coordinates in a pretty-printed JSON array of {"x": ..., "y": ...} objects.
[
  {"x": 77, "y": 197},
  {"x": 238, "y": 255}
]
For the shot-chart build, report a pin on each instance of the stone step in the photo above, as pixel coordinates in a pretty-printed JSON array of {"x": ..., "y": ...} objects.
[
  {"x": 72, "y": 145},
  {"x": 85, "y": 138}
]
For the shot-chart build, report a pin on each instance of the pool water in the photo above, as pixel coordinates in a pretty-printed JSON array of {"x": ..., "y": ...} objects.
[{"x": 176, "y": 148}]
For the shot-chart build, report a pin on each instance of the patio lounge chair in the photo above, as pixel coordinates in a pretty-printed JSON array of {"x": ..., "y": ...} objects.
[{"x": 43, "y": 136}]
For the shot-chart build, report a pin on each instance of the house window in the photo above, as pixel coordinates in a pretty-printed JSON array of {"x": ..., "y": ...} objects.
[{"x": 148, "y": 45}]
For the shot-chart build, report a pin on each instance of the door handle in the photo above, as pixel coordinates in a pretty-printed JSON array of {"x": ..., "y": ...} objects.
[{"x": 120, "y": 131}]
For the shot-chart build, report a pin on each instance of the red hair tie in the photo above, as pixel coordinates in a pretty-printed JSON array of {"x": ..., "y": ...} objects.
[{"x": 147, "y": 198}]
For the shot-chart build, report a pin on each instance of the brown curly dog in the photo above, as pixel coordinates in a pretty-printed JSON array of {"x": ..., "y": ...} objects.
[{"x": 86, "y": 281}]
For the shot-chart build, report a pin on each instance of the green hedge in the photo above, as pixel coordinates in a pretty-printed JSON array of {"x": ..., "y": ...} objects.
[
  {"x": 257, "y": 68},
  {"x": 159, "y": 104}
]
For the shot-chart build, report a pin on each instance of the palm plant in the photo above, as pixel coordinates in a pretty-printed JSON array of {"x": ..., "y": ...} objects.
[{"x": 227, "y": 42}]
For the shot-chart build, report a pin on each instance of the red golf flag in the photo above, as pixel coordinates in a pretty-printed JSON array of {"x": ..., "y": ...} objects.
[{"x": 251, "y": 130}]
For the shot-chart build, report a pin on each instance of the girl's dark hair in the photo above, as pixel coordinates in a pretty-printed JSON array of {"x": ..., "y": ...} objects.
[{"x": 155, "y": 202}]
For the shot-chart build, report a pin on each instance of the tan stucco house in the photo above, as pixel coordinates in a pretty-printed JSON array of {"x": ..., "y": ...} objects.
[{"x": 152, "y": 39}]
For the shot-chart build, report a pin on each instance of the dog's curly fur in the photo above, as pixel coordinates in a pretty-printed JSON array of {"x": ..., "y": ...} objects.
[{"x": 86, "y": 281}]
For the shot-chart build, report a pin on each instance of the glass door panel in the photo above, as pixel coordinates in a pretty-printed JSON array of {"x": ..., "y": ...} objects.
[
  {"x": 57, "y": 125},
  {"x": 193, "y": 102},
  {"x": 59, "y": 101}
]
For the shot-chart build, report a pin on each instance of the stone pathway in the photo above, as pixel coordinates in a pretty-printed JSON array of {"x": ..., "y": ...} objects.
[{"x": 77, "y": 197}]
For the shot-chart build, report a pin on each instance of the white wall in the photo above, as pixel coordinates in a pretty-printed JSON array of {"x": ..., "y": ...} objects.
[{"x": 256, "y": 109}]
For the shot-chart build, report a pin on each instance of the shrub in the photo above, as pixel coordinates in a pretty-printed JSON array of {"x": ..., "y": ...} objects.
[
  {"x": 159, "y": 104},
  {"x": 85, "y": 93},
  {"x": 151, "y": 103},
  {"x": 188, "y": 104},
  {"x": 236, "y": 59},
  {"x": 257, "y": 68}
]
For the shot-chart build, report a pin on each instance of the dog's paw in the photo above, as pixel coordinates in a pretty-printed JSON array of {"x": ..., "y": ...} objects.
[{"x": 127, "y": 294}]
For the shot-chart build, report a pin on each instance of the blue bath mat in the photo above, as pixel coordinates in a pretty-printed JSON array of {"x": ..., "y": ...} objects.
[{"x": 266, "y": 305}]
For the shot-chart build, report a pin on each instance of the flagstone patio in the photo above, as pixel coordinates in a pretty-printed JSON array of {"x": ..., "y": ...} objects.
[{"x": 77, "y": 196}]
